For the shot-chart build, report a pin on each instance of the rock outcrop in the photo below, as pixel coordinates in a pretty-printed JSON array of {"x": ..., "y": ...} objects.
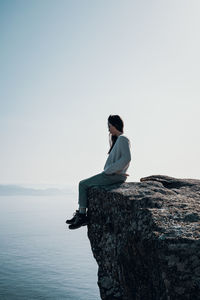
[{"x": 145, "y": 237}]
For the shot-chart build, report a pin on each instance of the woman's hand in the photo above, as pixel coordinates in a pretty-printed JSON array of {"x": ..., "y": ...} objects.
[{"x": 118, "y": 172}]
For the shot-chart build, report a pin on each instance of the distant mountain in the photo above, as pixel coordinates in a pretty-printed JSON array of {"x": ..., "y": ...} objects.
[{"x": 13, "y": 190}]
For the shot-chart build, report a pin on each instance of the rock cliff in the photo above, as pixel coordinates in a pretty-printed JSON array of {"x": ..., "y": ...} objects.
[{"x": 145, "y": 237}]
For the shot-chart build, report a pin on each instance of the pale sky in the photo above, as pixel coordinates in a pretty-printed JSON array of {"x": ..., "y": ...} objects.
[{"x": 67, "y": 65}]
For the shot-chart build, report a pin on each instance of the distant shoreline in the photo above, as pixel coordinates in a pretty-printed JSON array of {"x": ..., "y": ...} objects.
[{"x": 14, "y": 190}]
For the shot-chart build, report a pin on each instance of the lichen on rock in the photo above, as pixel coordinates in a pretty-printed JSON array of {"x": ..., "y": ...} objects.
[{"x": 145, "y": 237}]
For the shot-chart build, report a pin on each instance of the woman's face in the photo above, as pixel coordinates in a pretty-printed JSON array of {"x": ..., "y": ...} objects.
[{"x": 112, "y": 129}]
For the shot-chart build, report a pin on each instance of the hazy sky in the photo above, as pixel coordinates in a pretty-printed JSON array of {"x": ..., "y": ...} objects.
[{"x": 66, "y": 65}]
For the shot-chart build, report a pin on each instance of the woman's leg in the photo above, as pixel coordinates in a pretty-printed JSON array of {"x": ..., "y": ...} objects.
[
  {"x": 81, "y": 218},
  {"x": 96, "y": 180}
]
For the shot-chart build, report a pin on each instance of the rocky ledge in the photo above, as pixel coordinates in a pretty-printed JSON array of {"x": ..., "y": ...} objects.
[{"x": 145, "y": 237}]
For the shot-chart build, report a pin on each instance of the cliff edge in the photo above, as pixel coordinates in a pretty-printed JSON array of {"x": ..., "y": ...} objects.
[{"x": 145, "y": 237}]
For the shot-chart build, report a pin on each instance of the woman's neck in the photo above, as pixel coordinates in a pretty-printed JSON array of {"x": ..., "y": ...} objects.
[{"x": 118, "y": 134}]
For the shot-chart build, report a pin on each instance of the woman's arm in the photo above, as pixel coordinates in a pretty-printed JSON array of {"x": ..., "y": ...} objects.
[{"x": 124, "y": 159}]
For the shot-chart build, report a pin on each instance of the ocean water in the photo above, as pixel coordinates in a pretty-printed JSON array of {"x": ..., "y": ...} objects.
[{"x": 40, "y": 258}]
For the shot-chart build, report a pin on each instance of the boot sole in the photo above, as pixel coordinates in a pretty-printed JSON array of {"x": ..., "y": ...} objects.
[{"x": 84, "y": 224}]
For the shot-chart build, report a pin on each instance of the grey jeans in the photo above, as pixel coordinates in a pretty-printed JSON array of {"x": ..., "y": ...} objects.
[{"x": 97, "y": 180}]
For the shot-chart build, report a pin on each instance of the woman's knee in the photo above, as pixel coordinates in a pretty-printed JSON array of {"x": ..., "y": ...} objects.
[
  {"x": 82, "y": 182},
  {"x": 89, "y": 181}
]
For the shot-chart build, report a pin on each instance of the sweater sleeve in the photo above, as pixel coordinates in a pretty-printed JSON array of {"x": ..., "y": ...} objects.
[{"x": 125, "y": 158}]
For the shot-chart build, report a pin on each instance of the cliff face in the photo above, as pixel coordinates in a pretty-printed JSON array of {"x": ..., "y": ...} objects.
[{"x": 145, "y": 237}]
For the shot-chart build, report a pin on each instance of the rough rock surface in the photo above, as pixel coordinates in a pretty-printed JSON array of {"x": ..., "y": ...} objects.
[{"x": 145, "y": 237}]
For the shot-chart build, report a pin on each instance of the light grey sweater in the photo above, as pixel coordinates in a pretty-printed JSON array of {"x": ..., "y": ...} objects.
[{"x": 119, "y": 157}]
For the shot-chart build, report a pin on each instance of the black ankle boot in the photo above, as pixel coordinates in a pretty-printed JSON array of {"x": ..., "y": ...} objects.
[
  {"x": 71, "y": 221},
  {"x": 80, "y": 220}
]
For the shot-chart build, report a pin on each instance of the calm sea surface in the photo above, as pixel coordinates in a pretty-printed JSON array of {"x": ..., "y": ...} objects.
[{"x": 40, "y": 258}]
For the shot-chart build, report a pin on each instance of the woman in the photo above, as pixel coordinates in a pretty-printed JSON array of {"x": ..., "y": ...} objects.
[{"x": 115, "y": 169}]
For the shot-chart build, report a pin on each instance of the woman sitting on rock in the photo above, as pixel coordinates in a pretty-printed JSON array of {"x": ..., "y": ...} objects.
[{"x": 115, "y": 169}]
